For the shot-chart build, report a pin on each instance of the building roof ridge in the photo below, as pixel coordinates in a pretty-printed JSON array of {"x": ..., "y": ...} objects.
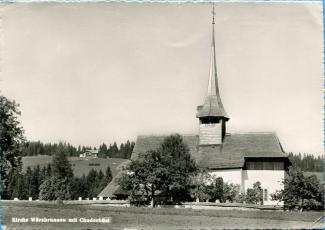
[
  {"x": 253, "y": 132},
  {"x": 167, "y": 134}
]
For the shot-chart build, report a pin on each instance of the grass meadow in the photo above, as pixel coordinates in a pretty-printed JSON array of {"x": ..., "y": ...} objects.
[
  {"x": 79, "y": 165},
  {"x": 148, "y": 218}
]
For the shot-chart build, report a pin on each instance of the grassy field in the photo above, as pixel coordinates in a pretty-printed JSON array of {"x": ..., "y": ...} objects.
[
  {"x": 147, "y": 218},
  {"x": 319, "y": 175},
  {"x": 79, "y": 165}
]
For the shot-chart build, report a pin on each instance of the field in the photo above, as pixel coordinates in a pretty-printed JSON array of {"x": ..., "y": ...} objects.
[
  {"x": 79, "y": 165},
  {"x": 319, "y": 175},
  {"x": 147, "y": 218}
]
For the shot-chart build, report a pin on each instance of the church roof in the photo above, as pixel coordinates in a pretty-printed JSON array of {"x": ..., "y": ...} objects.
[
  {"x": 230, "y": 154},
  {"x": 112, "y": 187}
]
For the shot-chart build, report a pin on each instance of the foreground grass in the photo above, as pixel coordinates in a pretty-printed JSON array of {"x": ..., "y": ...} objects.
[{"x": 147, "y": 218}]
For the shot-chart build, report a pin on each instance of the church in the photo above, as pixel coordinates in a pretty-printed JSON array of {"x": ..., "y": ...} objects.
[{"x": 239, "y": 158}]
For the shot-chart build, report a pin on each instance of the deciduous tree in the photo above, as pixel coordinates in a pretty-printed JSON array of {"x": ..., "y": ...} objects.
[
  {"x": 165, "y": 171},
  {"x": 11, "y": 140},
  {"x": 299, "y": 191}
]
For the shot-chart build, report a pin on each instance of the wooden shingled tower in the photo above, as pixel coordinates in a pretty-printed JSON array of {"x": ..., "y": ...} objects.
[{"x": 212, "y": 114}]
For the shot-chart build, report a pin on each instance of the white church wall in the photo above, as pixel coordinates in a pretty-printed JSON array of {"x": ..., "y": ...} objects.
[
  {"x": 229, "y": 175},
  {"x": 270, "y": 180}
]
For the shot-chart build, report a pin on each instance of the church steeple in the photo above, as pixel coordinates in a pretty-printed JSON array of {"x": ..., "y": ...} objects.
[{"x": 212, "y": 111}]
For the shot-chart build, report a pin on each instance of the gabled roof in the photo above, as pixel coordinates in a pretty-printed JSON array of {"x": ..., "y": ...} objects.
[
  {"x": 146, "y": 143},
  {"x": 113, "y": 186},
  {"x": 231, "y": 154}
]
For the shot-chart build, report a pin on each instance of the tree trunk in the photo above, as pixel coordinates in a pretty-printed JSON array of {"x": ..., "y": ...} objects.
[{"x": 152, "y": 197}]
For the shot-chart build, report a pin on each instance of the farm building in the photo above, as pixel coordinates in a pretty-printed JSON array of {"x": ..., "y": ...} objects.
[
  {"x": 239, "y": 158},
  {"x": 89, "y": 153}
]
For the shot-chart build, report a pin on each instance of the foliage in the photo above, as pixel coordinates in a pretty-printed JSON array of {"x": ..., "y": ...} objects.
[
  {"x": 307, "y": 162},
  {"x": 59, "y": 184},
  {"x": 16, "y": 186},
  {"x": 206, "y": 187},
  {"x": 300, "y": 192},
  {"x": 11, "y": 139},
  {"x": 108, "y": 175},
  {"x": 216, "y": 189},
  {"x": 61, "y": 167},
  {"x": 165, "y": 172},
  {"x": 199, "y": 188},
  {"x": 240, "y": 198},
  {"x": 231, "y": 192},
  {"x": 91, "y": 185},
  {"x": 35, "y": 148},
  {"x": 28, "y": 184},
  {"x": 56, "y": 187},
  {"x": 255, "y": 195}
]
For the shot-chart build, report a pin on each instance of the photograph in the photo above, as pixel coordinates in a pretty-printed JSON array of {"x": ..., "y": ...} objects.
[{"x": 162, "y": 115}]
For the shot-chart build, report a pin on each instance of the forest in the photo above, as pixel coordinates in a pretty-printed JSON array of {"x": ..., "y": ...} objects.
[
  {"x": 307, "y": 162},
  {"x": 34, "y": 148},
  {"x": 30, "y": 184}
]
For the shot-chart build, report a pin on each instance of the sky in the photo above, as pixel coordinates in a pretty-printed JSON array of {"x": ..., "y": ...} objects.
[{"x": 89, "y": 73}]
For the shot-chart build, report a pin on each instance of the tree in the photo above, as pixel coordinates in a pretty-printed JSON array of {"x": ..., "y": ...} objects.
[
  {"x": 28, "y": 178},
  {"x": 180, "y": 165},
  {"x": 108, "y": 175},
  {"x": 165, "y": 172},
  {"x": 199, "y": 181},
  {"x": 11, "y": 140},
  {"x": 35, "y": 182},
  {"x": 102, "y": 152},
  {"x": 255, "y": 195},
  {"x": 216, "y": 189},
  {"x": 299, "y": 191},
  {"x": 92, "y": 183},
  {"x": 59, "y": 184},
  {"x": 48, "y": 171},
  {"x": 79, "y": 187},
  {"x": 231, "y": 192},
  {"x": 16, "y": 187},
  {"x": 61, "y": 166},
  {"x": 55, "y": 187}
]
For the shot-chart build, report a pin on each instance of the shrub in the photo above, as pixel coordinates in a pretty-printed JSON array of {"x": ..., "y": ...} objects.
[
  {"x": 241, "y": 198},
  {"x": 300, "y": 192},
  {"x": 54, "y": 188},
  {"x": 230, "y": 191},
  {"x": 255, "y": 195}
]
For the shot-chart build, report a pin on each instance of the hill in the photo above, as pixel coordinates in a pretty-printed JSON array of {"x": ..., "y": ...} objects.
[{"x": 79, "y": 165}]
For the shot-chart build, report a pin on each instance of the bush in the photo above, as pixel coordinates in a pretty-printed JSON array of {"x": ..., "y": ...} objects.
[
  {"x": 207, "y": 187},
  {"x": 54, "y": 188},
  {"x": 300, "y": 192},
  {"x": 230, "y": 192},
  {"x": 255, "y": 195},
  {"x": 241, "y": 198}
]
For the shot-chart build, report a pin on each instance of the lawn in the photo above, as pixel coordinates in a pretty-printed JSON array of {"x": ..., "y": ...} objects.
[{"x": 147, "y": 218}]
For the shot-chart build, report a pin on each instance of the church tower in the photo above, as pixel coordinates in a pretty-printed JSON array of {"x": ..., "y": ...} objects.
[{"x": 211, "y": 114}]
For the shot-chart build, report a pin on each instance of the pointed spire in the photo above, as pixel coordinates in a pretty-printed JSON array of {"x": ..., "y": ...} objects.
[
  {"x": 213, "y": 105},
  {"x": 213, "y": 81}
]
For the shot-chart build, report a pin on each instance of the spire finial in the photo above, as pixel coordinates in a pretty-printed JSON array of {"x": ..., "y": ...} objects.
[{"x": 213, "y": 13}]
